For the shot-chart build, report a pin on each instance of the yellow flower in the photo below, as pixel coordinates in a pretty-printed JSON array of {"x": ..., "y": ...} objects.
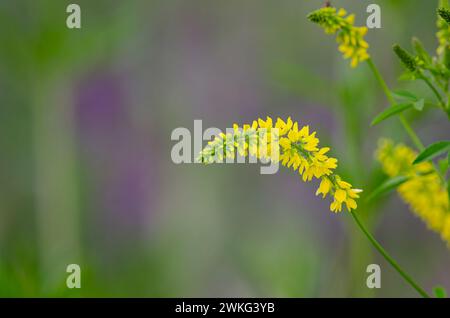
[
  {"x": 349, "y": 37},
  {"x": 324, "y": 187},
  {"x": 340, "y": 195},
  {"x": 423, "y": 191},
  {"x": 295, "y": 148},
  {"x": 283, "y": 127}
]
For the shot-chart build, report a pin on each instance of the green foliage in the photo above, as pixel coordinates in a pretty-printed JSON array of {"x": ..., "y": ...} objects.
[
  {"x": 391, "y": 111},
  {"x": 433, "y": 151},
  {"x": 421, "y": 51},
  {"x": 387, "y": 186},
  {"x": 404, "y": 95},
  {"x": 439, "y": 292}
]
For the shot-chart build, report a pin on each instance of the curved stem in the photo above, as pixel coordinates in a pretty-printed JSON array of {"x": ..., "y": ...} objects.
[
  {"x": 434, "y": 89},
  {"x": 381, "y": 81},
  {"x": 389, "y": 259},
  {"x": 415, "y": 139},
  {"x": 418, "y": 143}
]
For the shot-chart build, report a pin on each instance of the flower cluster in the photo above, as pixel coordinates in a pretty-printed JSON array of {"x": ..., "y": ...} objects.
[
  {"x": 349, "y": 37},
  {"x": 409, "y": 61},
  {"x": 423, "y": 190},
  {"x": 296, "y": 148},
  {"x": 443, "y": 34},
  {"x": 256, "y": 140}
]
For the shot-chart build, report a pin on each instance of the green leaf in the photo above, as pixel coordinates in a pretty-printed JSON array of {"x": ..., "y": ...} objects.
[
  {"x": 407, "y": 76},
  {"x": 386, "y": 186},
  {"x": 418, "y": 105},
  {"x": 402, "y": 95},
  {"x": 433, "y": 151},
  {"x": 421, "y": 51},
  {"x": 439, "y": 292},
  {"x": 389, "y": 112},
  {"x": 443, "y": 165}
]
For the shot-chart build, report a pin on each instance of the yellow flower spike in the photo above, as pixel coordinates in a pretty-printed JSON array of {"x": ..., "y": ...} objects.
[
  {"x": 424, "y": 193},
  {"x": 298, "y": 150},
  {"x": 349, "y": 37}
]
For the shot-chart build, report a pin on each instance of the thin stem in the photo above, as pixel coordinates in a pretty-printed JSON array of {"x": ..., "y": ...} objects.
[
  {"x": 415, "y": 139},
  {"x": 381, "y": 81},
  {"x": 409, "y": 130},
  {"x": 433, "y": 88},
  {"x": 389, "y": 259}
]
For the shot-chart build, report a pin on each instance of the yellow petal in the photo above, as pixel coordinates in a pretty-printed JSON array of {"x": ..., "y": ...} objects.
[
  {"x": 340, "y": 195},
  {"x": 343, "y": 184}
]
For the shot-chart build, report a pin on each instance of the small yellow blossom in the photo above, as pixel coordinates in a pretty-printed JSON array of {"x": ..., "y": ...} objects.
[
  {"x": 423, "y": 191},
  {"x": 295, "y": 147},
  {"x": 349, "y": 37}
]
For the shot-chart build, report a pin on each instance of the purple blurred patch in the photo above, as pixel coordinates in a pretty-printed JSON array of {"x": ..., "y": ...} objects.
[{"x": 121, "y": 170}]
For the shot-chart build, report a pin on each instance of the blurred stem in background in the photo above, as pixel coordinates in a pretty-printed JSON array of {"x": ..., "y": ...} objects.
[
  {"x": 360, "y": 255},
  {"x": 409, "y": 130},
  {"x": 55, "y": 180},
  {"x": 353, "y": 91},
  {"x": 415, "y": 139},
  {"x": 420, "y": 146}
]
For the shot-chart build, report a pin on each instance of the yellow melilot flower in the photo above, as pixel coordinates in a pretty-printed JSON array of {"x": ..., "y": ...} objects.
[
  {"x": 295, "y": 147},
  {"x": 349, "y": 37},
  {"x": 423, "y": 191}
]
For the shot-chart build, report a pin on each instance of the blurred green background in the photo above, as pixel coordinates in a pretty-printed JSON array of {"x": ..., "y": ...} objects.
[{"x": 85, "y": 168}]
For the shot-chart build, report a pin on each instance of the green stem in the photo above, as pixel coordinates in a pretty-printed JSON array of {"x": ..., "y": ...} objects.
[
  {"x": 417, "y": 142},
  {"x": 381, "y": 81},
  {"x": 415, "y": 139},
  {"x": 389, "y": 259},
  {"x": 409, "y": 130},
  {"x": 433, "y": 88}
]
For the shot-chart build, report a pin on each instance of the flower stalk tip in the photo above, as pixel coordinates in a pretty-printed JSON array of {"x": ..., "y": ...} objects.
[
  {"x": 444, "y": 13},
  {"x": 405, "y": 57},
  {"x": 295, "y": 147},
  {"x": 349, "y": 37}
]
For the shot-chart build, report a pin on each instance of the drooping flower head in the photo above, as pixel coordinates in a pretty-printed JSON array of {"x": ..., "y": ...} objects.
[
  {"x": 296, "y": 147},
  {"x": 423, "y": 190},
  {"x": 349, "y": 37}
]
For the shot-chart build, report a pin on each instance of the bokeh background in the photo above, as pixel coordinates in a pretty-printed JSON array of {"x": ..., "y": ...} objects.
[{"x": 86, "y": 174}]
